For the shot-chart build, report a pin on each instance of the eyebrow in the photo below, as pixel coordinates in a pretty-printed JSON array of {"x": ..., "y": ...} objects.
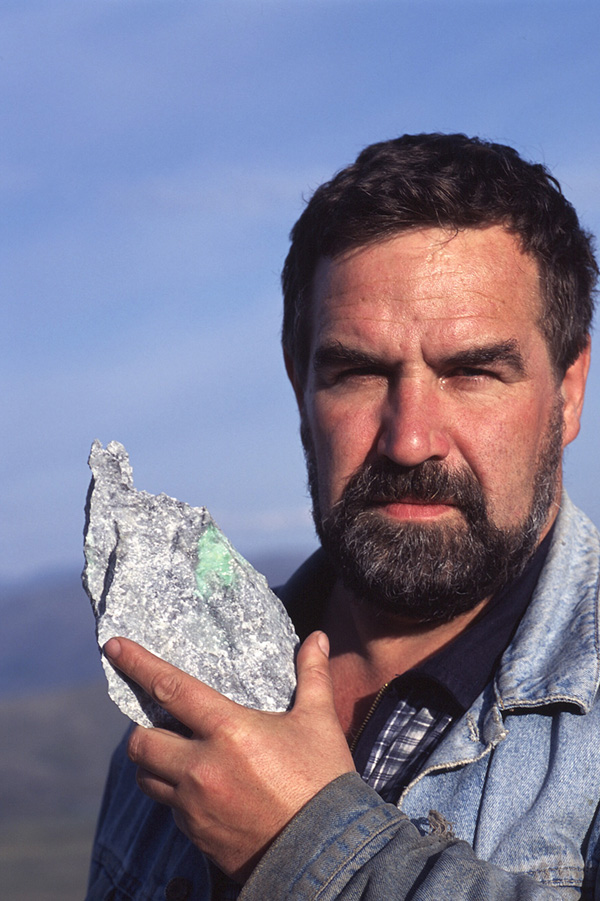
[
  {"x": 336, "y": 354},
  {"x": 332, "y": 355},
  {"x": 486, "y": 354}
]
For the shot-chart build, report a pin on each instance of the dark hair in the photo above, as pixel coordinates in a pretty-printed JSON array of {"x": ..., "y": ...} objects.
[{"x": 456, "y": 182}]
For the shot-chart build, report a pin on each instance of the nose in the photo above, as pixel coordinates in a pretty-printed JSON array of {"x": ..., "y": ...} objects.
[{"x": 412, "y": 424}]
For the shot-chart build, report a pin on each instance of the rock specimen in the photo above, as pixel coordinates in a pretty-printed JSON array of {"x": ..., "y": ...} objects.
[{"x": 163, "y": 574}]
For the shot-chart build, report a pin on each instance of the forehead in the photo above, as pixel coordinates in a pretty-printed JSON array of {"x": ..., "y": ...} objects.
[{"x": 449, "y": 281}]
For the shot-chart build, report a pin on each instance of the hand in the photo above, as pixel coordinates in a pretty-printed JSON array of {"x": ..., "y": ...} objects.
[{"x": 243, "y": 774}]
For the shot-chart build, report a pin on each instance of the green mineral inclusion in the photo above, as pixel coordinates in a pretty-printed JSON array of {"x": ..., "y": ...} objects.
[{"x": 215, "y": 561}]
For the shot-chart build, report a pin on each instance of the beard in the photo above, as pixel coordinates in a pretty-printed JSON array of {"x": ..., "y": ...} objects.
[{"x": 429, "y": 573}]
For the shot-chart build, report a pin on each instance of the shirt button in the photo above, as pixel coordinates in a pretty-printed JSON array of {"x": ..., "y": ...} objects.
[{"x": 178, "y": 889}]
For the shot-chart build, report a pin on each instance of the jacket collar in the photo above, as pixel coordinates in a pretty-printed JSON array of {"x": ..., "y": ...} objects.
[{"x": 554, "y": 656}]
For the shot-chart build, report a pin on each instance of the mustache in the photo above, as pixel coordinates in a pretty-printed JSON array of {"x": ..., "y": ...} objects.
[{"x": 430, "y": 482}]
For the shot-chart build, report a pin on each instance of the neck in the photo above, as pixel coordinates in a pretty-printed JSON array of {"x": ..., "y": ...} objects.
[
  {"x": 385, "y": 641},
  {"x": 368, "y": 650}
]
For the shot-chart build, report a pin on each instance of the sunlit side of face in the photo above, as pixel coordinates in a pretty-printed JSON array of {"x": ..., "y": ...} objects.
[{"x": 427, "y": 346}]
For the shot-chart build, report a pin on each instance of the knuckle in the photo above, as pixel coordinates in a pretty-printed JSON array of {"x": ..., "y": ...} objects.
[
  {"x": 318, "y": 677},
  {"x": 234, "y": 733},
  {"x": 134, "y": 750},
  {"x": 165, "y": 688},
  {"x": 323, "y": 676},
  {"x": 143, "y": 781}
]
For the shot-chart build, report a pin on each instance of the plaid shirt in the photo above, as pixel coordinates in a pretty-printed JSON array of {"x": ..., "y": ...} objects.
[{"x": 403, "y": 745}]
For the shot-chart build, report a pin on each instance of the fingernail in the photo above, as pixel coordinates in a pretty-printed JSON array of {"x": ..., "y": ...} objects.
[
  {"x": 112, "y": 648},
  {"x": 323, "y": 643}
]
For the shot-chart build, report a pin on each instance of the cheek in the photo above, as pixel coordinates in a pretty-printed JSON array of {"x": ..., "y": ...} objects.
[
  {"x": 343, "y": 439},
  {"x": 504, "y": 453}
]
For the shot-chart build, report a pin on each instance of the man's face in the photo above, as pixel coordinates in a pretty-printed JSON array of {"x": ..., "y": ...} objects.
[{"x": 432, "y": 417}]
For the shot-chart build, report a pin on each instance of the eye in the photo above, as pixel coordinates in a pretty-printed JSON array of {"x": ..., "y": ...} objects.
[
  {"x": 470, "y": 376},
  {"x": 353, "y": 377},
  {"x": 472, "y": 372},
  {"x": 360, "y": 373}
]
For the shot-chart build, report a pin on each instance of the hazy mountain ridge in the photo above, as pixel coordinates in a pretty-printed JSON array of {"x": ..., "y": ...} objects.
[
  {"x": 57, "y": 722},
  {"x": 47, "y": 638},
  {"x": 58, "y": 730},
  {"x": 55, "y": 751}
]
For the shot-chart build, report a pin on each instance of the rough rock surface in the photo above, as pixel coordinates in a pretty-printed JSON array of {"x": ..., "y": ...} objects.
[{"x": 163, "y": 574}]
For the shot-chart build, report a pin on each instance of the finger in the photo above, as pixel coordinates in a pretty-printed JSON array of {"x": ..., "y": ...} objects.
[
  {"x": 315, "y": 688},
  {"x": 158, "y": 752},
  {"x": 155, "y": 787},
  {"x": 192, "y": 702}
]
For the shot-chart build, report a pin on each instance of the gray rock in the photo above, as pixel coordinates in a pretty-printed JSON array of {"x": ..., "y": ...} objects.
[{"x": 163, "y": 574}]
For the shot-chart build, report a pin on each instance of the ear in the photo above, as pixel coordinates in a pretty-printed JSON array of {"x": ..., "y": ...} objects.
[
  {"x": 573, "y": 390},
  {"x": 294, "y": 378}
]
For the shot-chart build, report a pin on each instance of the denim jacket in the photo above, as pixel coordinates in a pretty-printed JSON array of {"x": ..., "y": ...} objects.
[{"x": 506, "y": 808}]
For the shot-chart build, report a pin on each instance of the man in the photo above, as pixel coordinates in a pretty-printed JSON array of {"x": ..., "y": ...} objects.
[{"x": 438, "y": 300}]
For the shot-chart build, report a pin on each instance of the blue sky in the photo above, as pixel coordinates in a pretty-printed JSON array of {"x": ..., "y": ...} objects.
[{"x": 154, "y": 156}]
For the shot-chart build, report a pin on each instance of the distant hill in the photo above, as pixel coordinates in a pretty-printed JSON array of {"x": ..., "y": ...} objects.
[
  {"x": 54, "y": 756},
  {"x": 47, "y": 636},
  {"x": 58, "y": 730},
  {"x": 57, "y": 722},
  {"x": 55, "y": 750}
]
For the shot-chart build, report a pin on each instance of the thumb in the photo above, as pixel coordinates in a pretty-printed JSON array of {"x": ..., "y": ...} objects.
[
  {"x": 315, "y": 708},
  {"x": 315, "y": 688}
]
